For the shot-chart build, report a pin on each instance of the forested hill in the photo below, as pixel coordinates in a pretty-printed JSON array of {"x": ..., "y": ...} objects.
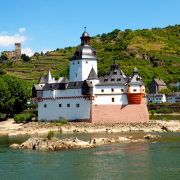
[{"x": 155, "y": 52}]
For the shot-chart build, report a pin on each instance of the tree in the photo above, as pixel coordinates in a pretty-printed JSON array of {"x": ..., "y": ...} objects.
[
  {"x": 4, "y": 56},
  {"x": 14, "y": 94},
  {"x": 173, "y": 88},
  {"x": 42, "y": 54},
  {"x": 5, "y": 95},
  {"x": 36, "y": 54},
  {"x": 25, "y": 58},
  {"x": 155, "y": 64},
  {"x": 165, "y": 91}
]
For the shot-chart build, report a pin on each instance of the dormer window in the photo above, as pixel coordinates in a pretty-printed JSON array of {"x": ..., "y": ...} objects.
[
  {"x": 94, "y": 53},
  {"x": 108, "y": 73},
  {"x": 112, "y": 79},
  {"x": 114, "y": 73},
  {"x": 105, "y": 80},
  {"x": 119, "y": 79},
  {"x": 76, "y": 83}
]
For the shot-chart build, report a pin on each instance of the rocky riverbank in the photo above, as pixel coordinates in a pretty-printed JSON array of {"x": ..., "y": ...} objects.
[
  {"x": 81, "y": 127},
  {"x": 73, "y": 143}
]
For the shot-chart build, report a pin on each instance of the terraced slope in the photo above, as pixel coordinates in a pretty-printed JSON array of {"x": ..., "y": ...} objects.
[{"x": 31, "y": 71}]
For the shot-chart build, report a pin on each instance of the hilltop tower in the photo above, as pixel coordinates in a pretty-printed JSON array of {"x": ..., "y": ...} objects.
[
  {"x": 18, "y": 51},
  {"x": 83, "y": 60}
]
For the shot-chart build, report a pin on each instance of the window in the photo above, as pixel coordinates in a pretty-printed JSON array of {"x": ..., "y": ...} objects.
[
  {"x": 112, "y": 79},
  {"x": 60, "y": 105},
  {"x": 68, "y": 105},
  {"x": 102, "y": 90},
  {"x": 91, "y": 82},
  {"x": 143, "y": 90},
  {"x": 114, "y": 73},
  {"x": 118, "y": 79},
  {"x": 86, "y": 62},
  {"x": 112, "y": 89},
  {"x": 73, "y": 63},
  {"x": 134, "y": 90},
  {"x": 122, "y": 90},
  {"x": 112, "y": 99},
  {"x": 77, "y": 105},
  {"x": 45, "y": 105},
  {"x": 78, "y": 62}
]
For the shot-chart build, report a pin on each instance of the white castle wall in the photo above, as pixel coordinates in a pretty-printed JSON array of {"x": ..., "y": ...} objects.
[
  {"x": 106, "y": 96},
  {"x": 107, "y": 89},
  {"x": 80, "y": 72},
  {"x": 137, "y": 87},
  {"x": 52, "y": 111},
  {"x": 107, "y": 99}
]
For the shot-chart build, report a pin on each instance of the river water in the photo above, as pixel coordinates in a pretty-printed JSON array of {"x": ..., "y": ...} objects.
[
  {"x": 164, "y": 117},
  {"x": 152, "y": 159}
]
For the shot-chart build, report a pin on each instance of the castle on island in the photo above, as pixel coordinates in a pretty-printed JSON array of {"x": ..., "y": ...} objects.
[{"x": 85, "y": 97}]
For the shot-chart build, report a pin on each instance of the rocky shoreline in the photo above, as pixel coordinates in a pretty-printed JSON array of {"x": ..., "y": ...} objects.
[
  {"x": 82, "y": 127},
  {"x": 74, "y": 143}
]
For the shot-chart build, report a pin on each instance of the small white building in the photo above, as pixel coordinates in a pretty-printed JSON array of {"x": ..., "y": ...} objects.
[
  {"x": 156, "y": 98},
  {"x": 85, "y": 97},
  {"x": 174, "y": 97}
]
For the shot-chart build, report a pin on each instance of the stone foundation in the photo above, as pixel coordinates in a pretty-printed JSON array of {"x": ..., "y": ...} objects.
[{"x": 120, "y": 113}]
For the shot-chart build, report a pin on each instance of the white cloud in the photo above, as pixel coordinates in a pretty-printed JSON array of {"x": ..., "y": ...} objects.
[
  {"x": 4, "y": 32},
  {"x": 45, "y": 50},
  {"x": 22, "y": 29},
  {"x": 28, "y": 51},
  {"x": 10, "y": 40}
]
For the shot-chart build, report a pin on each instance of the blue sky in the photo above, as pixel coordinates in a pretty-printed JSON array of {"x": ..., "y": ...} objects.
[{"x": 49, "y": 24}]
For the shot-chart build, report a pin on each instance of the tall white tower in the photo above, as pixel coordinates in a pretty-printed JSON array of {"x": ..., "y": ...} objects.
[{"x": 83, "y": 60}]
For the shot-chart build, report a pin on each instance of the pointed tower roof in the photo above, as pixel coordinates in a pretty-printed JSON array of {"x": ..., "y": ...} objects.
[
  {"x": 114, "y": 65},
  {"x": 65, "y": 80},
  {"x": 49, "y": 77},
  {"x": 42, "y": 79},
  {"x": 135, "y": 71},
  {"x": 92, "y": 74}
]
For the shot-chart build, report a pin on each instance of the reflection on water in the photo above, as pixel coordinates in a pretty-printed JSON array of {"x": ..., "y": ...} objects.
[
  {"x": 164, "y": 117},
  {"x": 111, "y": 161}
]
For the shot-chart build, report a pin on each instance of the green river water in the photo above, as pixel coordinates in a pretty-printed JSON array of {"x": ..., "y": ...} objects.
[
  {"x": 164, "y": 117},
  {"x": 152, "y": 159}
]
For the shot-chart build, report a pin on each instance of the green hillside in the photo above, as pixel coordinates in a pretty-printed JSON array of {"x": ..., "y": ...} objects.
[
  {"x": 155, "y": 52},
  {"x": 32, "y": 70}
]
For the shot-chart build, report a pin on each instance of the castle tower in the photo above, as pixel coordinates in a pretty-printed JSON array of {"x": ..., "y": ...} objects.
[
  {"x": 18, "y": 51},
  {"x": 83, "y": 60}
]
